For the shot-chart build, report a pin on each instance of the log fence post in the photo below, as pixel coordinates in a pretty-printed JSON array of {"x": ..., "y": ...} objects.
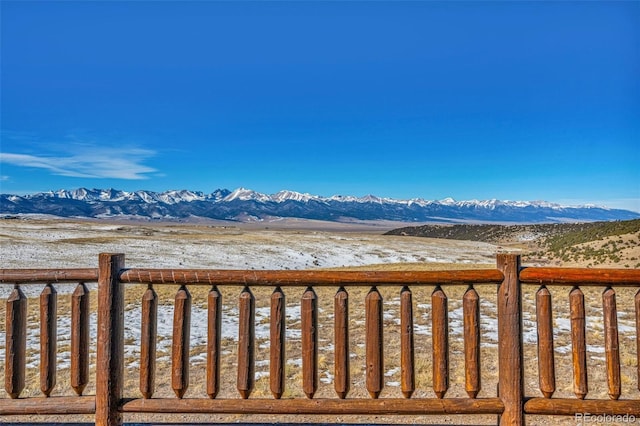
[
  {"x": 110, "y": 351},
  {"x": 510, "y": 357}
]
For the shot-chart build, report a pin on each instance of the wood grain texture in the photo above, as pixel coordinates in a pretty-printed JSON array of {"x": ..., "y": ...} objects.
[
  {"x": 578, "y": 343},
  {"x": 407, "y": 360},
  {"x": 48, "y": 338},
  {"x": 611, "y": 346},
  {"x": 277, "y": 354},
  {"x": 546, "y": 361},
  {"x": 309, "y": 325},
  {"x": 284, "y": 278},
  {"x": 45, "y": 276},
  {"x": 246, "y": 343},
  {"x": 148, "y": 336},
  {"x": 471, "y": 318},
  {"x": 48, "y": 406},
  {"x": 108, "y": 404},
  {"x": 180, "y": 344},
  {"x": 570, "y": 407},
  {"x": 110, "y": 346},
  {"x": 332, "y": 406},
  {"x": 15, "y": 343},
  {"x": 581, "y": 276},
  {"x": 342, "y": 373},
  {"x": 214, "y": 335},
  {"x": 440, "y": 333},
  {"x": 374, "y": 342},
  {"x": 511, "y": 374},
  {"x": 80, "y": 306}
]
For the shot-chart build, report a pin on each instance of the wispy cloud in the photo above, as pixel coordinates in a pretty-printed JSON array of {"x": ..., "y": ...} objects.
[{"x": 89, "y": 162}]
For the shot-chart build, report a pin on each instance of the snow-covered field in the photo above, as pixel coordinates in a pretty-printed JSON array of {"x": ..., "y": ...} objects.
[
  {"x": 45, "y": 244},
  {"x": 66, "y": 244},
  {"x": 62, "y": 244}
]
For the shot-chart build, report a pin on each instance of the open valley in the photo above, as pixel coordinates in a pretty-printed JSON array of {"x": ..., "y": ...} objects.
[{"x": 52, "y": 243}]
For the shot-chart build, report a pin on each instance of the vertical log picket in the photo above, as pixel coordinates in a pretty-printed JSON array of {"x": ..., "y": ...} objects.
[
  {"x": 180, "y": 344},
  {"x": 16, "y": 343},
  {"x": 440, "y": 333},
  {"x": 214, "y": 334},
  {"x": 110, "y": 350},
  {"x": 407, "y": 360},
  {"x": 578, "y": 343},
  {"x": 277, "y": 347},
  {"x": 48, "y": 339},
  {"x": 611, "y": 345},
  {"x": 511, "y": 374},
  {"x": 342, "y": 379},
  {"x": 374, "y": 343},
  {"x": 471, "y": 315},
  {"x": 546, "y": 361},
  {"x": 246, "y": 343},
  {"x": 148, "y": 331},
  {"x": 80, "y": 305},
  {"x": 309, "y": 326}
]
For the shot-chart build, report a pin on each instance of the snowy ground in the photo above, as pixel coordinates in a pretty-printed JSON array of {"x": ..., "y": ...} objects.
[
  {"x": 59, "y": 244},
  {"x": 27, "y": 244}
]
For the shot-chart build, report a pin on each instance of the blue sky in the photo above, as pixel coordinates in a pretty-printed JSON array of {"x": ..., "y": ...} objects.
[{"x": 478, "y": 100}]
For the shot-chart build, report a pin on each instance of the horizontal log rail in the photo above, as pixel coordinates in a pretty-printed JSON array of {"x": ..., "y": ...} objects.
[
  {"x": 394, "y": 406},
  {"x": 270, "y": 278},
  {"x": 53, "y": 405},
  {"x": 510, "y": 404},
  {"x": 570, "y": 407},
  {"x": 40, "y": 276},
  {"x": 581, "y": 276}
]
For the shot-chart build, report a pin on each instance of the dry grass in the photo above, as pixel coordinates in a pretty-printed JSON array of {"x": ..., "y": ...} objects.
[{"x": 188, "y": 240}]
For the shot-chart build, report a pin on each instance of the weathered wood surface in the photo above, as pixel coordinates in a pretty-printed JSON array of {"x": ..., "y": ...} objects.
[
  {"x": 308, "y": 278},
  {"x": 148, "y": 336},
  {"x": 569, "y": 407},
  {"x": 108, "y": 405},
  {"x": 48, "y": 338},
  {"x": 440, "y": 333},
  {"x": 309, "y": 329},
  {"x": 471, "y": 318},
  {"x": 407, "y": 360},
  {"x": 611, "y": 347},
  {"x": 578, "y": 343},
  {"x": 15, "y": 343},
  {"x": 580, "y": 276},
  {"x": 510, "y": 363},
  {"x": 214, "y": 336},
  {"x": 277, "y": 354},
  {"x": 546, "y": 361},
  {"x": 374, "y": 342},
  {"x": 342, "y": 376},
  {"x": 246, "y": 343},
  {"x": 180, "y": 344},
  {"x": 333, "y": 406},
  {"x": 80, "y": 306},
  {"x": 45, "y": 276},
  {"x": 48, "y": 406},
  {"x": 110, "y": 347}
]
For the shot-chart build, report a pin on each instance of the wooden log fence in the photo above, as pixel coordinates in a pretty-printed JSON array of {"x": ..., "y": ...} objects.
[{"x": 510, "y": 403}]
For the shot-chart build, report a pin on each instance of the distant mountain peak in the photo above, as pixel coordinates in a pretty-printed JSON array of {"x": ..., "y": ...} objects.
[
  {"x": 242, "y": 203},
  {"x": 244, "y": 194},
  {"x": 286, "y": 195}
]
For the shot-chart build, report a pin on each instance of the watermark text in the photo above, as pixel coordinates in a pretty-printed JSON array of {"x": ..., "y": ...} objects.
[{"x": 611, "y": 419}]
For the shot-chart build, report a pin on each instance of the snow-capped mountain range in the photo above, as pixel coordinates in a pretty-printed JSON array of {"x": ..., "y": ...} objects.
[{"x": 248, "y": 205}]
